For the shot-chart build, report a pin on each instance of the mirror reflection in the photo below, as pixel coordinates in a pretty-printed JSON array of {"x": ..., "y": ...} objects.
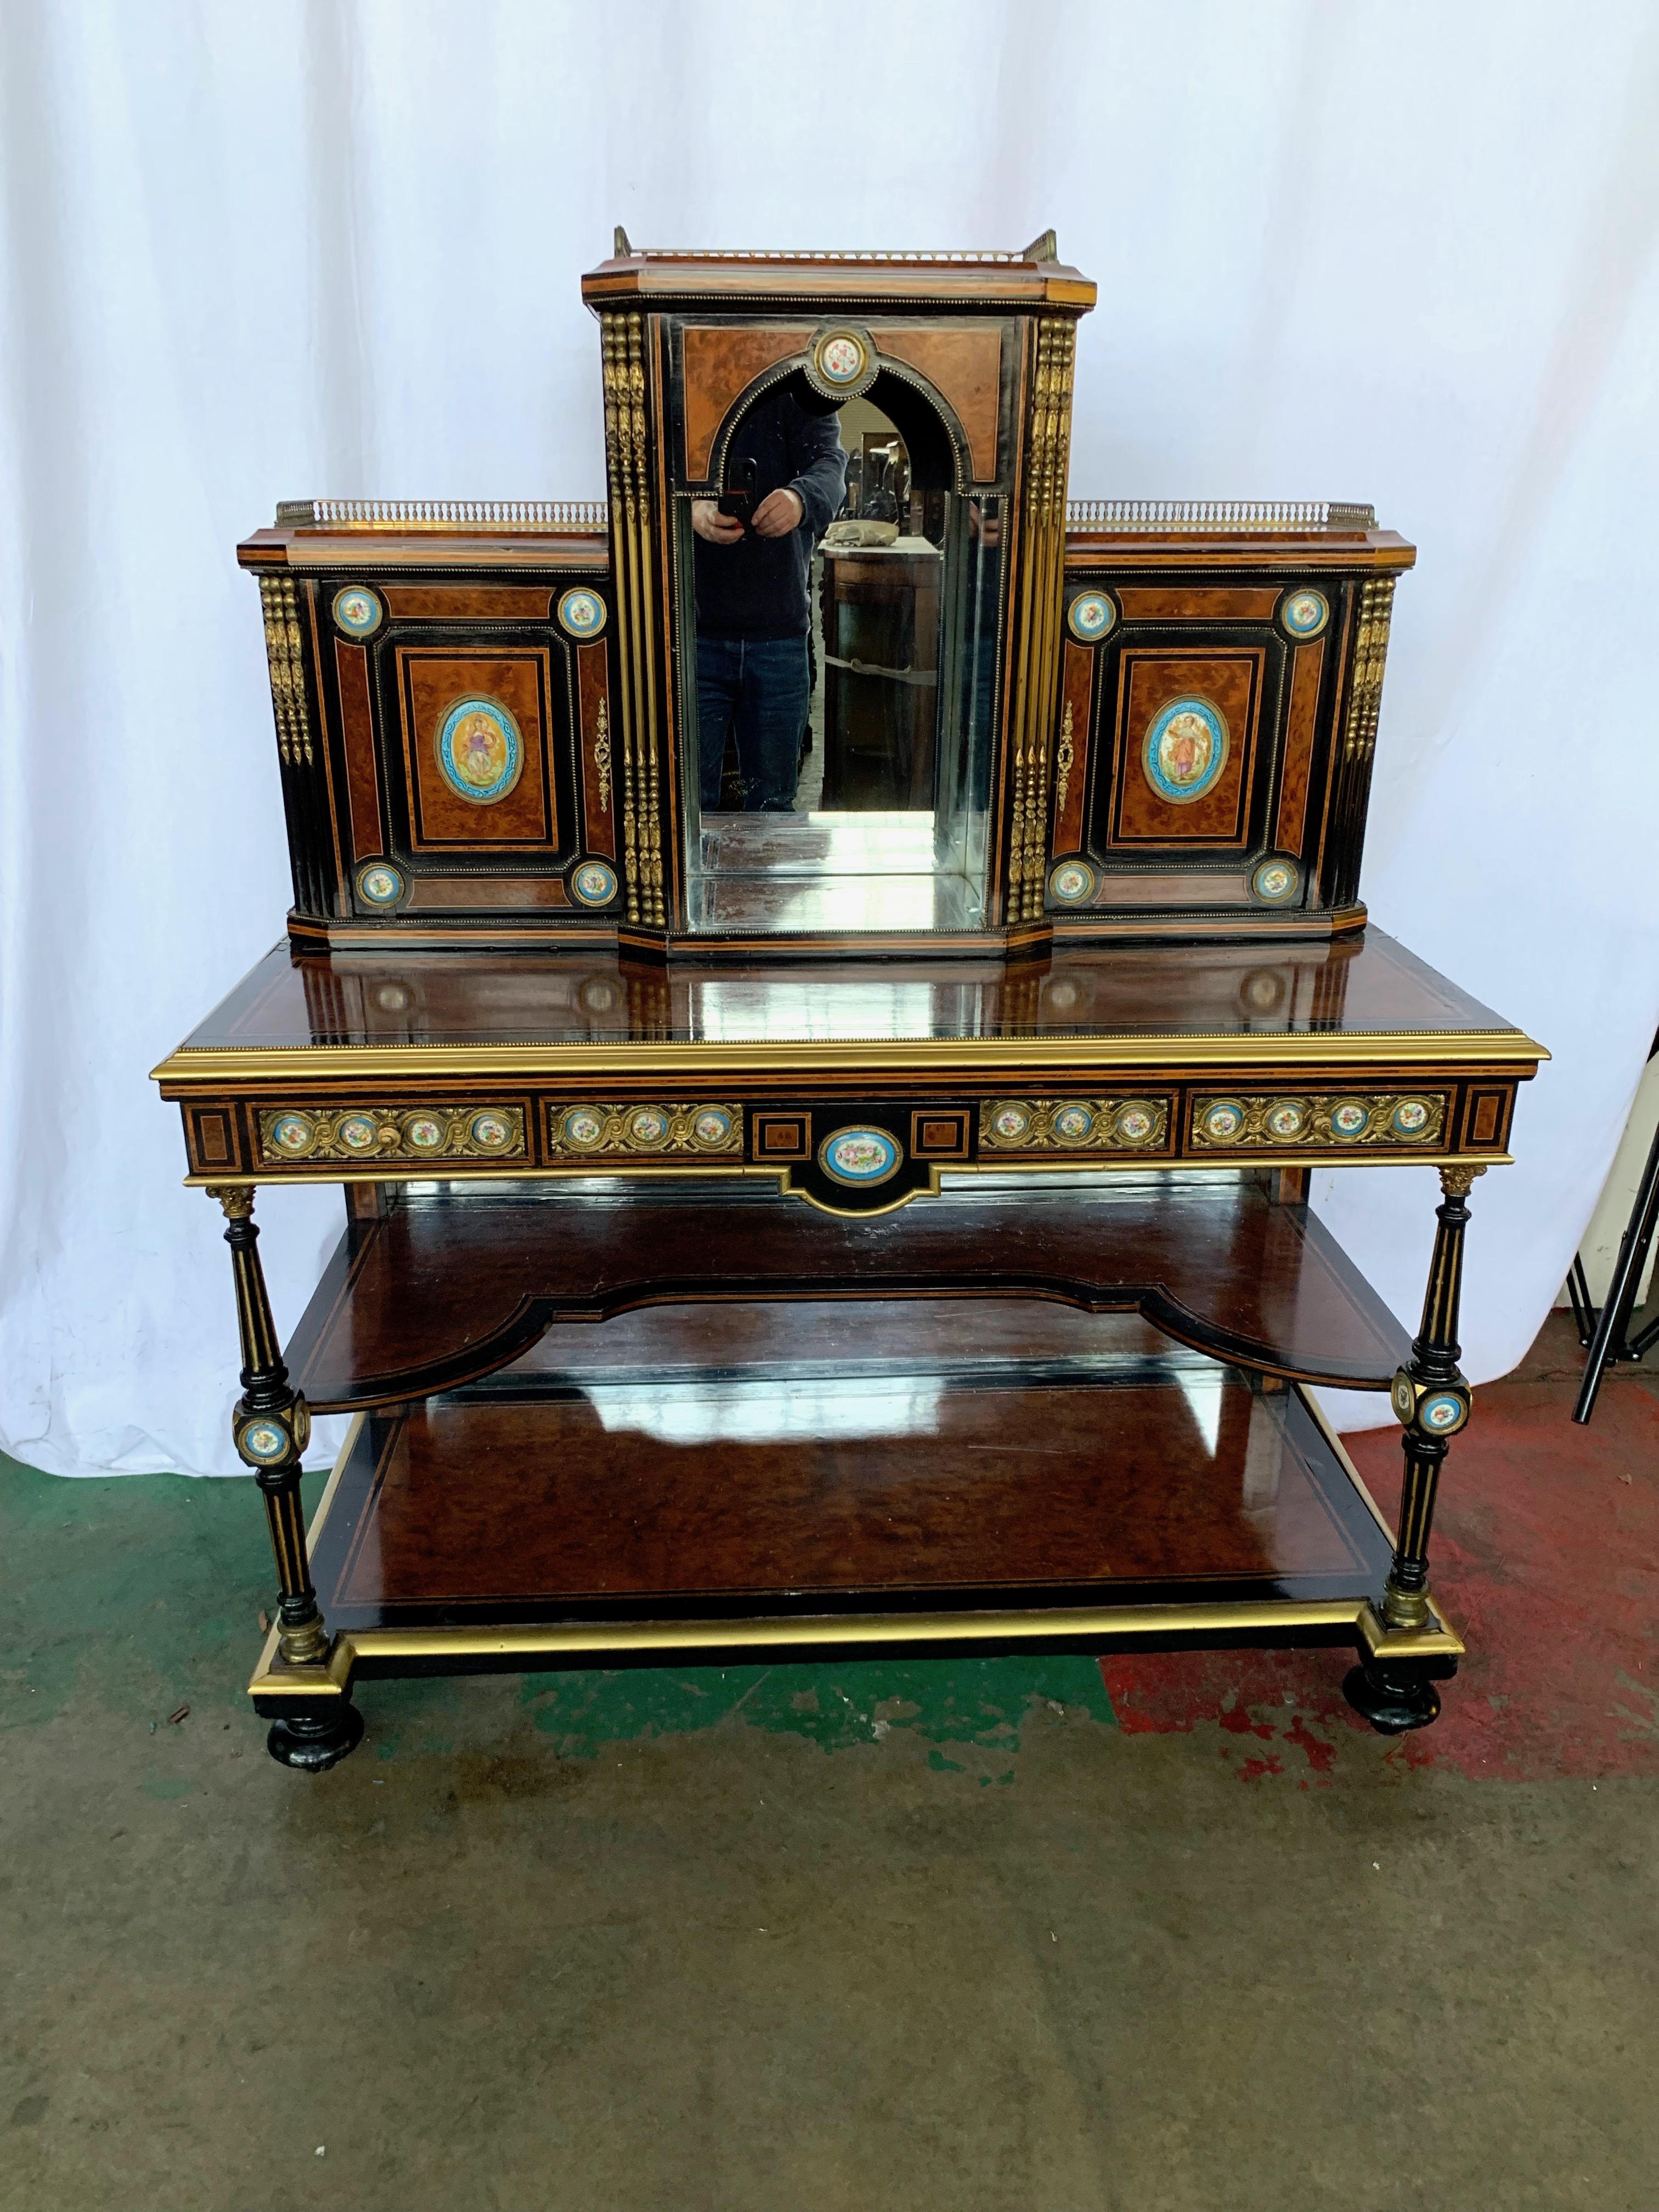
[{"x": 845, "y": 616}]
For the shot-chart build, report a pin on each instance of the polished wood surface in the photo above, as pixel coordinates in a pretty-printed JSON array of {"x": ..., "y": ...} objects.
[
  {"x": 1368, "y": 986},
  {"x": 1094, "y": 551},
  {"x": 440, "y": 1292},
  {"x": 656, "y": 279},
  {"x": 729, "y": 1498}
]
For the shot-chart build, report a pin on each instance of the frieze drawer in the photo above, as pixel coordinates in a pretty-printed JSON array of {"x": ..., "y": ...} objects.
[
  {"x": 298, "y": 1135},
  {"x": 647, "y": 1130},
  {"x": 1074, "y": 1125},
  {"x": 1340, "y": 1121}
]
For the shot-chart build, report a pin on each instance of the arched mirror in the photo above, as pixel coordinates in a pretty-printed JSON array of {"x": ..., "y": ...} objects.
[{"x": 839, "y": 606}]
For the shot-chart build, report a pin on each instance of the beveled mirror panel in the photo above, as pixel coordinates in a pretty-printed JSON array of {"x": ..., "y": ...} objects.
[{"x": 839, "y": 600}]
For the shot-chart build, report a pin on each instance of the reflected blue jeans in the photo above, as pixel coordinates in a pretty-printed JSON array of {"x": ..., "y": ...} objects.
[{"x": 757, "y": 688}]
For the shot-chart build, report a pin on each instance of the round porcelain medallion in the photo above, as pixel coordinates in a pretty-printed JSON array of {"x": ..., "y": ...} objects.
[
  {"x": 358, "y": 611},
  {"x": 1400, "y": 1396},
  {"x": 1072, "y": 1124},
  {"x": 1350, "y": 1118},
  {"x": 583, "y": 1128},
  {"x": 1441, "y": 1414},
  {"x": 264, "y": 1442},
  {"x": 593, "y": 882},
  {"x": 647, "y": 1125},
  {"x": 1135, "y": 1122},
  {"x": 841, "y": 358},
  {"x": 1010, "y": 1122},
  {"x": 357, "y": 1133},
  {"x": 1286, "y": 1120},
  {"x": 490, "y": 1132},
  {"x": 480, "y": 753},
  {"x": 1090, "y": 616},
  {"x": 379, "y": 883},
  {"x": 860, "y": 1157},
  {"x": 1305, "y": 613},
  {"x": 1276, "y": 881},
  {"x": 1410, "y": 1117},
  {"x": 1072, "y": 883},
  {"x": 293, "y": 1133},
  {"x": 423, "y": 1132},
  {"x": 1223, "y": 1121},
  {"x": 581, "y": 612},
  {"x": 713, "y": 1125}
]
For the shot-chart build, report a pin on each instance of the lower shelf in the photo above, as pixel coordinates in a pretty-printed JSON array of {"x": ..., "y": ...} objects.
[{"x": 738, "y": 1511}]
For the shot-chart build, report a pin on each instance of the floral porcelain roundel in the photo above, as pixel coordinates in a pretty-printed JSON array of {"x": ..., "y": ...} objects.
[
  {"x": 357, "y": 610},
  {"x": 859, "y": 1157},
  {"x": 581, "y": 611},
  {"x": 841, "y": 358},
  {"x": 1305, "y": 613}
]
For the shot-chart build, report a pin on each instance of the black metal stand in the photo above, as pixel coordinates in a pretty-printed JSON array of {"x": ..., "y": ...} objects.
[{"x": 1608, "y": 1335}]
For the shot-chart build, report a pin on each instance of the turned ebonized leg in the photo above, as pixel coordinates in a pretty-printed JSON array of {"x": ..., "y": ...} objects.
[
  {"x": 271, "y": 1425},
  {"x": 1431, "y": 1400}
]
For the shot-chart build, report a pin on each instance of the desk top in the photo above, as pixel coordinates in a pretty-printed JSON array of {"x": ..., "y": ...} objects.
[{"x": 1364, "y": 1000}]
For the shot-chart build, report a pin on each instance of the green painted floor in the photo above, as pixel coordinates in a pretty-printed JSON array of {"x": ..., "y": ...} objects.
[{"x": 932, "y": 1934}]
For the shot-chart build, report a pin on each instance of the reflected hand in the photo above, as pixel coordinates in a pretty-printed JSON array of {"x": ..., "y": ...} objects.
[
  {"x": 709, "y": 522},
  {"x": 779, "y": 512}
]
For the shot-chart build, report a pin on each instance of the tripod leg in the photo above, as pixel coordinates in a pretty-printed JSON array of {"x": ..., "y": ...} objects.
[
  {"x": 1609, "y": 1341},
  {"x": 1583, "y": 1311}
]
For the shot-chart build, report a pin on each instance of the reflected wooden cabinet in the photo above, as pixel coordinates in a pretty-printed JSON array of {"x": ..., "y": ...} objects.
[
  {"x": 879, "y": 622},
  {"x": 730, "y": 1196}
]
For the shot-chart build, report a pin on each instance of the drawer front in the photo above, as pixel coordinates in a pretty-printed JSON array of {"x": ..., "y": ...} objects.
[{"x": 366, "y": 1134}]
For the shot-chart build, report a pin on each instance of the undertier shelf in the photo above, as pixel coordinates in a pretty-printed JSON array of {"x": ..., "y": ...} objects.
[
  {"x": 446, "y": 1289},
  {"x": 903, "y": 1493}
]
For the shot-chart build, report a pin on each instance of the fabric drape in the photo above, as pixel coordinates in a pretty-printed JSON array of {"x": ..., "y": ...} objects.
[{"x": 1388, "y": 251}]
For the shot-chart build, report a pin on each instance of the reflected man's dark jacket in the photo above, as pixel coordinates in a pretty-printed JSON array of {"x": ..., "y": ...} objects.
[{"x": 758, "y": 588}]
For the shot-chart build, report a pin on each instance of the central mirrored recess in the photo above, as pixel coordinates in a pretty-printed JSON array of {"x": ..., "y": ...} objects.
[{"x": 840, "y": 643}]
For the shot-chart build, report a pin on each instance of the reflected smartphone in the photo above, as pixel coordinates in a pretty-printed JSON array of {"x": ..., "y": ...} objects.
[{"x": 737, "y": 499}]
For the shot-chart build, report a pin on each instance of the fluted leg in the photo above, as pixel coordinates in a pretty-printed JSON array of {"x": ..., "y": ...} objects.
[{"x": 272, "y": 1426}]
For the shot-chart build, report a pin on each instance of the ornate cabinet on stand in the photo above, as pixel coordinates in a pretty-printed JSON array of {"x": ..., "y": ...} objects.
[{"x": 864, "y": 1223}]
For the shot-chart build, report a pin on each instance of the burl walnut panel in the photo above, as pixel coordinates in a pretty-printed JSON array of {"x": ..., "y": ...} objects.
[
  {"x": 717, "y": 363},
  {"x": 429, "y": 683},
  {"x": 495, "y": 603},
  {"x": 1231, "y": 681},
  {"x": 1056, "y": 1493},
  {"x": 600, "y": 762},
  {"x": 963, "y": 363},
  {"x": 357, "y": 734},
  {"x": 1306, "y": 664},
  {"x": 1072, "y": 766}
]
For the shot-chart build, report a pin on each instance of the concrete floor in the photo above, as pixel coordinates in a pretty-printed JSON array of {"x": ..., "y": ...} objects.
[{"x": 944, "y": 1935}]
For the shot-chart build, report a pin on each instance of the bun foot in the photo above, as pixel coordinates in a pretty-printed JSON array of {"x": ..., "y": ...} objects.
[
  {"x": 314, "y": 1742},
  {"x": 1393, "y": 1697}
]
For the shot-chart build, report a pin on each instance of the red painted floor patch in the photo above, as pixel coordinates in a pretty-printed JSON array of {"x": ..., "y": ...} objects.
[{"x": 1547, "y": 1557}]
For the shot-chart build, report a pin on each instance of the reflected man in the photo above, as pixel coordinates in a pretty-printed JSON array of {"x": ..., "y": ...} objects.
[{"x": 752, "y": 611}]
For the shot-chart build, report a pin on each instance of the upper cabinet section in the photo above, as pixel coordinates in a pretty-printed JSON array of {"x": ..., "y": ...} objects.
[
  {"x": 835, "y": 669},
  {"x": 838, "y": 487}
]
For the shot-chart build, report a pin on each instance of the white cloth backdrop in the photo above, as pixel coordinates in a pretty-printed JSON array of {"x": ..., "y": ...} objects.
[{"x": 1397, "y": 252}]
